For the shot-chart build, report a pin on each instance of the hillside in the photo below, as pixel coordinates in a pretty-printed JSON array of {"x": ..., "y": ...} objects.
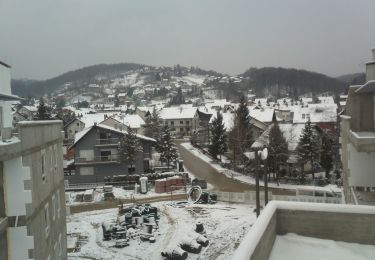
[
  {"x": 280, "y": 81},
  {"x": 87, "y": 74},
  {"x": 262, "y": 81}
]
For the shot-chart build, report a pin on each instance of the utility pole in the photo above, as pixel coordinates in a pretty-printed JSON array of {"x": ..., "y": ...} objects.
[{"x": 257, "y": 182}]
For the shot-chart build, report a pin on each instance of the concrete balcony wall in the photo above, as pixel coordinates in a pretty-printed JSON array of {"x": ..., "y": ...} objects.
[{"x": 348, "y": 223}]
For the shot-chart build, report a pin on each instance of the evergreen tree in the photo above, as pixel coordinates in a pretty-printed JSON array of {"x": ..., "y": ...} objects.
[
  {"x": 308, "y": 148},
  {"x": 326, "y": 155},
  {"x": 43, "y": 111},
  {"x": 152, "y": 126},
  {"x": 240, "y": 137},
  {"x": 166, "y": 146},
  {"x": 129, "y": 148},
  {"x": 277, "y": 149},
  {"x": 218, "y": 144}
]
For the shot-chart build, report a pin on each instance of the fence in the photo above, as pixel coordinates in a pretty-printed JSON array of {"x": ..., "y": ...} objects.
[{"x": 250, "y": 198}]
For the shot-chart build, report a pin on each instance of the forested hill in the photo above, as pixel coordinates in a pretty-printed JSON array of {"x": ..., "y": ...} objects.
[
  {"x": 271, "y": 80},
  {"x": 36, "y": 88}
]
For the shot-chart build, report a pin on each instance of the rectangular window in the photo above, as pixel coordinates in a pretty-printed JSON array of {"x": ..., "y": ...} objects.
[
  {"x": 187, "y": 122},
  {"x": 172, "y": 122},
  {"x": 181, "y": 129},
  {"x": 54, "y": 207},
  {"x": 60, "y": 247},
  {"x": 181, "y": 122},
  {"x": 43, "y": 166},
  {"x": 46, "y": 219},
  {"x": 58, "y": 203}
]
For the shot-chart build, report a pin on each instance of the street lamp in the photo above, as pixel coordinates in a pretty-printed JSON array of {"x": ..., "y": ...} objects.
[{"x": 260, "y": 155}]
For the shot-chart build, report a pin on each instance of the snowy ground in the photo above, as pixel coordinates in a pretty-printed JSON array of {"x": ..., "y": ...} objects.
[
  {"x": 225, "y": 224},
  {"x": 293, "y": 246},
  {"x": 119, "y": 193},
  {"x": 248, "y": 179}
]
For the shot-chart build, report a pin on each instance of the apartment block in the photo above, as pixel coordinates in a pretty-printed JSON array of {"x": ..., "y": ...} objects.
[{"x": 32, "y": 196}]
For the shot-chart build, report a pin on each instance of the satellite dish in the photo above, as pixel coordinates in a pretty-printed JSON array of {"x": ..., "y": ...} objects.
[{"x": 264, "y": 154}]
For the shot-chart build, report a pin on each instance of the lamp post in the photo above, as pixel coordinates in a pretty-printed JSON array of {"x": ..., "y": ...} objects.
[{"x": 260, "y": 155}]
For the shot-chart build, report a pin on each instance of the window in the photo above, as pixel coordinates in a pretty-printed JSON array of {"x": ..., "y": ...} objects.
[
  {"x": 187, "y": 122},
  {"x": 54, "y": 207},
  {"x": 172, "y": 122},
  {"x": 43, "y": 166},
  {"x": 77, "y": 124},
  {"x": 58, "y": 204},
  {"x": 60, "y": 247},
  {"x": 181, "y": 122},
  {"x": 46, "y": 219},
  {"x": 181, "y": 129},
  {"x": 303, "y": 116},
  {"x": 188, "y": 129}
]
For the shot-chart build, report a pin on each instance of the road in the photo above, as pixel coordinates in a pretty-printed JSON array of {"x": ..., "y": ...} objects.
[{"x": 203, "y": 170}]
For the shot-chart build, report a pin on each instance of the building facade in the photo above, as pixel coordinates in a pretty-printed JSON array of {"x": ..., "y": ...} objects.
[
  {"x": 358, "y": 140},
  {"x": 96, "y": 155},
  {"x": 32, "y": 196}
]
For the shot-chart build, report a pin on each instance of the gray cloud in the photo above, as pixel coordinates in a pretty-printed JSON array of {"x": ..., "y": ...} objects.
[{"x": 43, "y": 38}]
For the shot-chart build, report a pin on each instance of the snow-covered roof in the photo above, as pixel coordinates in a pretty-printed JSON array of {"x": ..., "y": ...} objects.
[
  {"x": 264, "y": 115},
  {"x": 178, "y": 112},
  {"x": 91, "y": 119},
  {"x": 317, "y": 113},
  {"x": 78, "y": 136},
  {"x": 31, "y": 108},
  {"x": 133, "y": 121},
  {"x": 291, "y": 133},
  {"x": 228, "y": 119}
]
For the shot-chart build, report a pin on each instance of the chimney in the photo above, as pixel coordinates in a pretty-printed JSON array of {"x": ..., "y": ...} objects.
[{"x": 370, "y": 67}]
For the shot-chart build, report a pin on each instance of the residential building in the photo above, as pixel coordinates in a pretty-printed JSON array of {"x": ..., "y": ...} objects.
[
  {"x": 71, "y": 128},
  {"x": 96, "y": 154},
  {"x": 181, "y": 119},
  {"x": 358, "y": 140},
  {"x": 32, "y": 196}
]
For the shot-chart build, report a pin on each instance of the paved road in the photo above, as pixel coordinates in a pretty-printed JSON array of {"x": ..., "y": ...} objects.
[{"x": 203, "y": 170}]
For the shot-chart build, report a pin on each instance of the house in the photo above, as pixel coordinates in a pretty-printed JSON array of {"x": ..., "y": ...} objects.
[
  {"x": 133, "y": 121},
  {"x": 358, "y": 140},
  {"x": 71, "y": 128},
  {"x": 96, "y": 154},
  {"x": 181, "y": 119},
  {"x": 32, "y": 196},
  {"x": 28, "y": 112}
]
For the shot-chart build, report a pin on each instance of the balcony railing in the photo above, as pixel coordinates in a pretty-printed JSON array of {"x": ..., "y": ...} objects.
[
  {"x": 98, "y": 159},
  {"x": 107, "y": 141}
]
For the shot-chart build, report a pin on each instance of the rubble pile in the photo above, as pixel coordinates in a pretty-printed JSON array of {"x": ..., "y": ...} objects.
[
  {"x": 133, "y": 222},
  {"x": 190, "y": 243}
]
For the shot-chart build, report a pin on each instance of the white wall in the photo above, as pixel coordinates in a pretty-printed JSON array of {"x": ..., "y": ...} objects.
[
  {"x": 16, "y": 197},
  {"x": 6, "y": 116},
  {"x": 4, "y": 80},
  {"x": 19, "y": 243},
  {"x": 362, "y": 167}
]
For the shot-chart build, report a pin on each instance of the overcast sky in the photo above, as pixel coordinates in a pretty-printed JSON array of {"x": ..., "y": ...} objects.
[{"x": 44, "y": 38}]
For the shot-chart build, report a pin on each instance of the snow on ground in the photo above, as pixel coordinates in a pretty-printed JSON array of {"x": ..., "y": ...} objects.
[
  {"x": 293, "y": 246},
  {"x": 225, "y": 226},
  {"x": 119, "y": 193},
  {"x": 250, "y": 180}
]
